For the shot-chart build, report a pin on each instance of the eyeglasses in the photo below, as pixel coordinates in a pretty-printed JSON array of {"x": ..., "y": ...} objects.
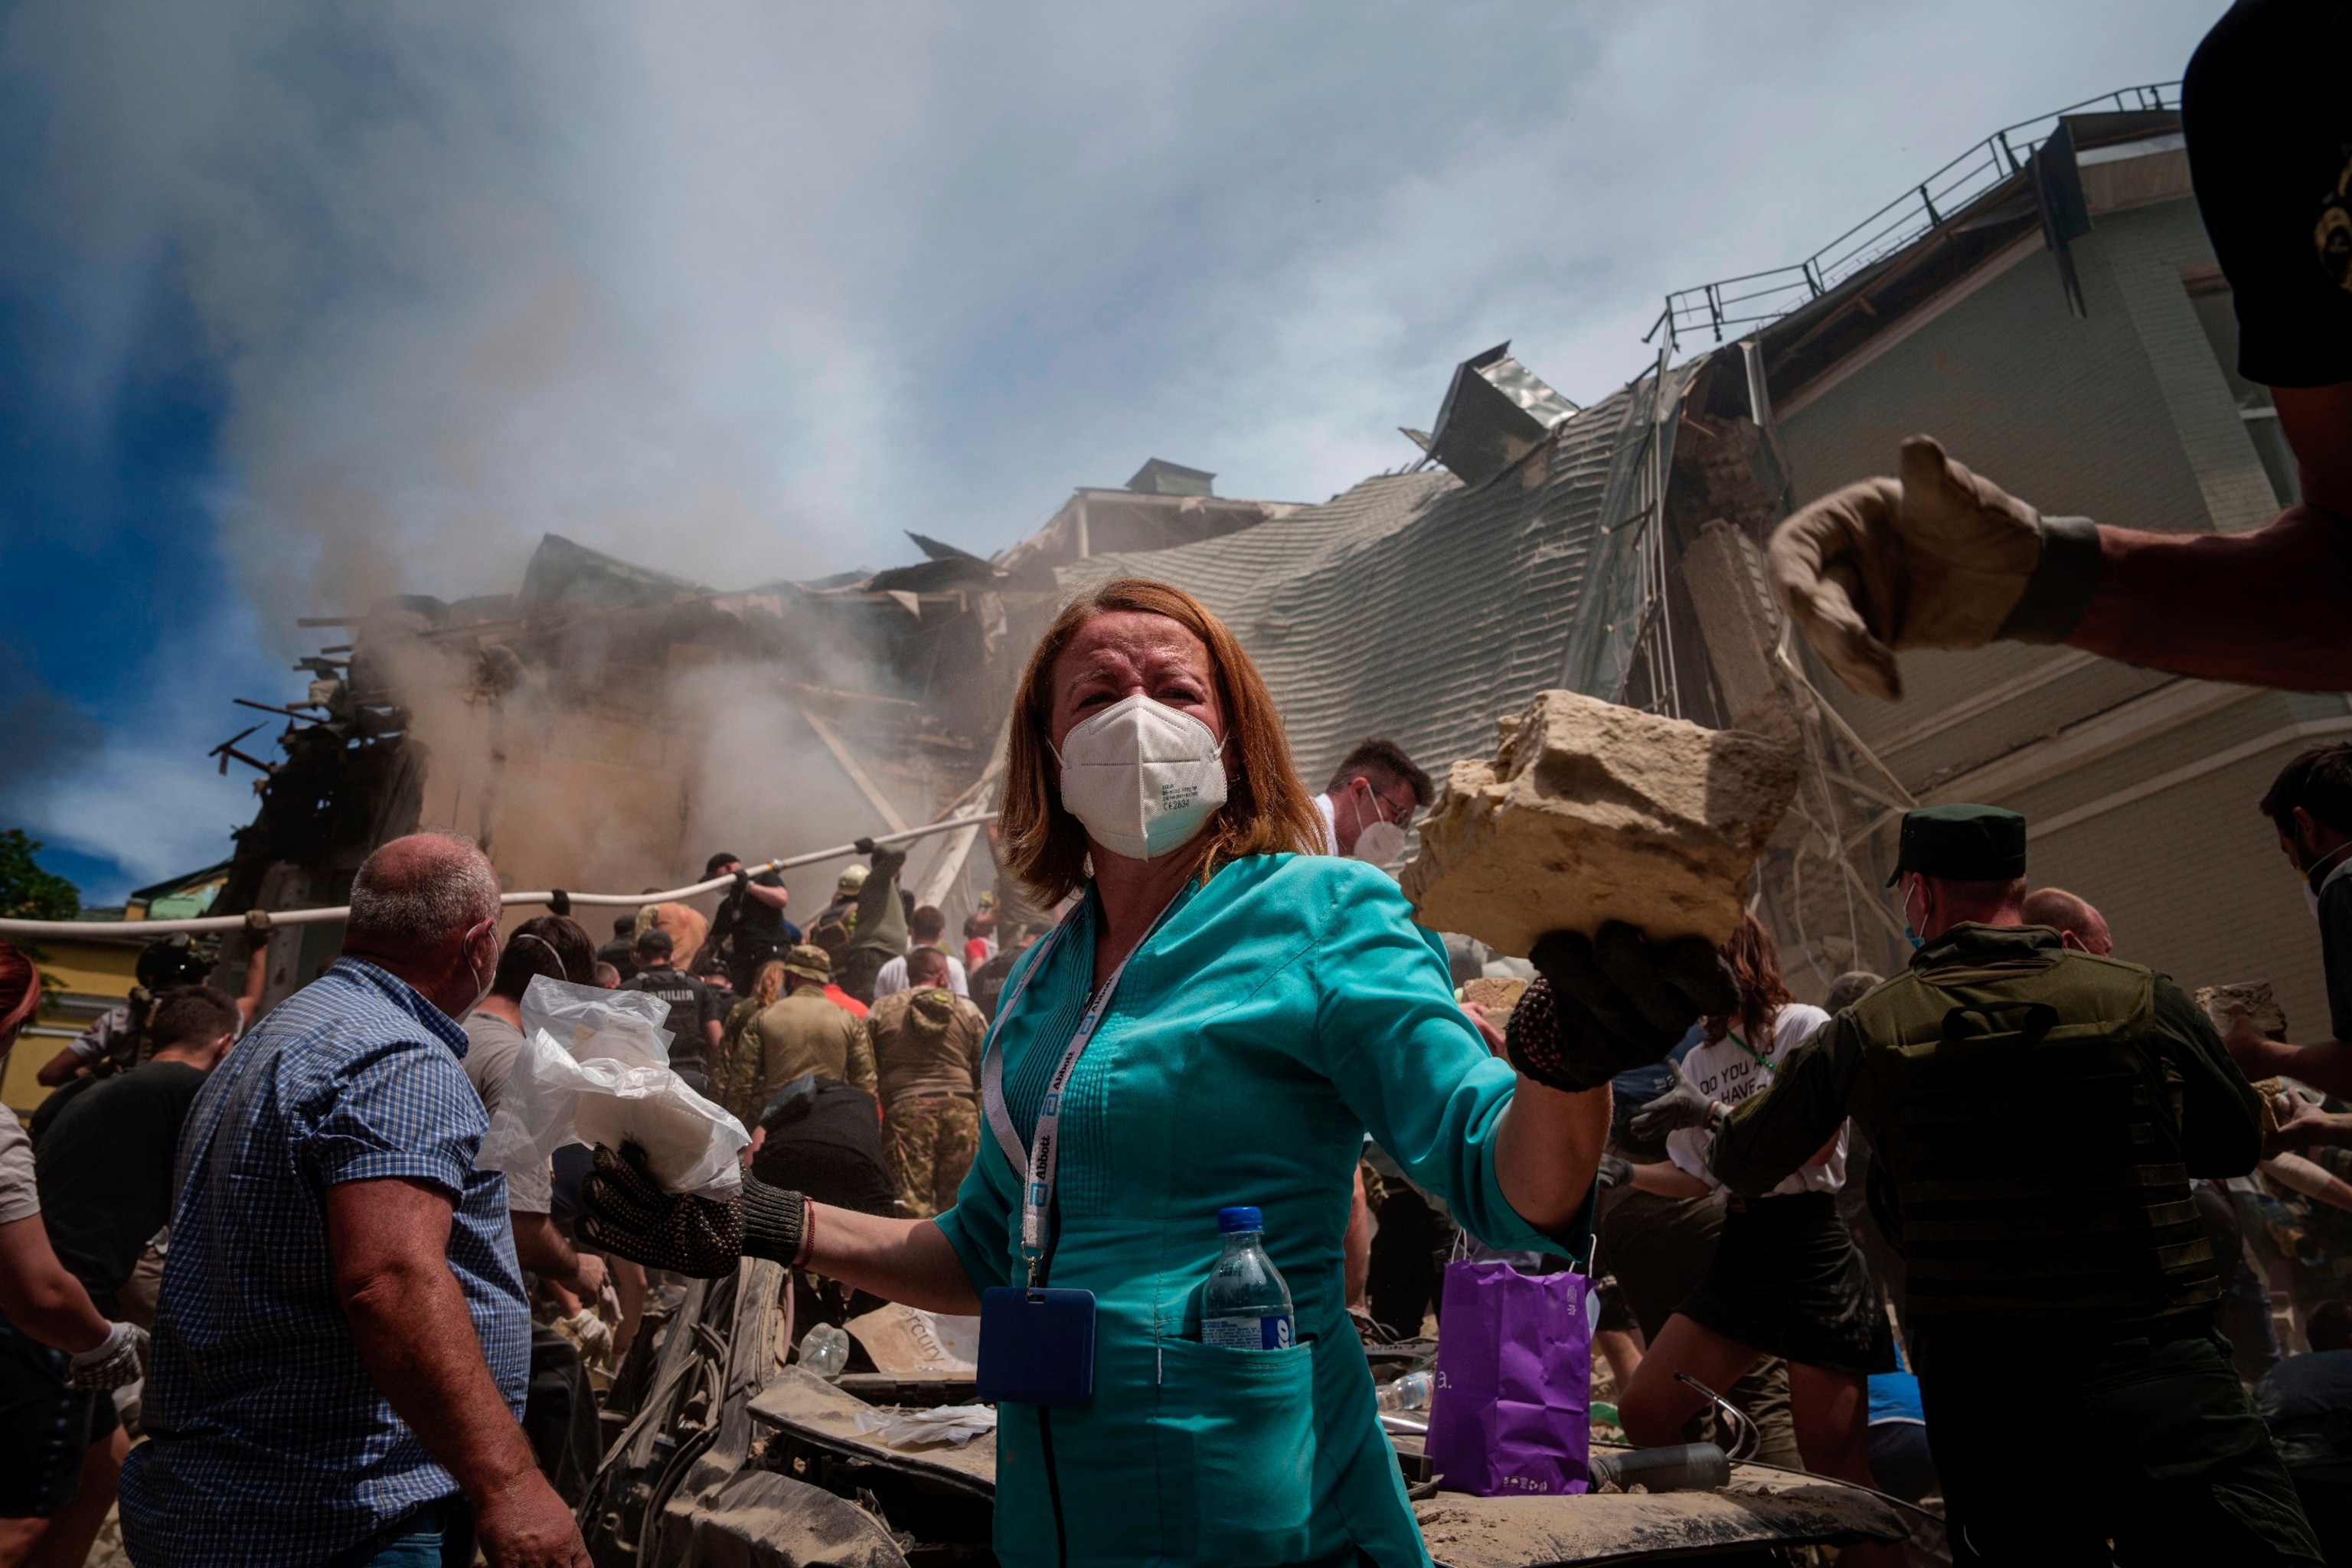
[{"x": 1393, "y": 813}]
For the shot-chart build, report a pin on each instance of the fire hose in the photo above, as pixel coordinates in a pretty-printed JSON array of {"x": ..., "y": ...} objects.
[{"x": 9, "y": 928}]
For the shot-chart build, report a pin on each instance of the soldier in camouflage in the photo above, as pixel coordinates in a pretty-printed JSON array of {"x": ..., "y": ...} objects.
[
  {"x": 2035, "y": 1115},
  {"x": 926, "y": 1044}
]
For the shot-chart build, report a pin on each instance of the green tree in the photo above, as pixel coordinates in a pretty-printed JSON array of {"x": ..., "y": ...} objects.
[
  {"x": 26, "y": 892},
  {"x": 29, "y": 893}
]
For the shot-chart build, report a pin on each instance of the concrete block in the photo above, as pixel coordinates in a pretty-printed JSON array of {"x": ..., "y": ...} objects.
[
  {"x": 1591, "y": 813},
  {"x": 2254, "y": 995},
  {"x": 1498, "y": 997}
]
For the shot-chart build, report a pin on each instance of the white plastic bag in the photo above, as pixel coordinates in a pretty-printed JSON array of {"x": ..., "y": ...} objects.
[
  {"x": 594, "y": 1069},
  {"x": 954, "y": 1424}
]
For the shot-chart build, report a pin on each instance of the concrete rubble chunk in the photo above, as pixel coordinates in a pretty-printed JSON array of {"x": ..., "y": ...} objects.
[
  {"x": 2254, "y": 995},
  {"x": 1591, "y": 813}
]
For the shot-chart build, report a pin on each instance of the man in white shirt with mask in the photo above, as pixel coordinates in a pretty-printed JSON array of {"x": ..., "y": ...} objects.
[{"x": 1371, "y": 802}]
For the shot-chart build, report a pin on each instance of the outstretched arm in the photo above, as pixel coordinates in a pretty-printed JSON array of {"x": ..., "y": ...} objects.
[
  {"x": 1944, "y": 558},
  {"x": 2263, "y": 608},
  {"x": 1773, "y": 1133}
]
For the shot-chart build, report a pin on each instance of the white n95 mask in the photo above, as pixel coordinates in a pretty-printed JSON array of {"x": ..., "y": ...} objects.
[
  {"x": 1143, "y": 777},
  {"x": 1380, "y": 844}
]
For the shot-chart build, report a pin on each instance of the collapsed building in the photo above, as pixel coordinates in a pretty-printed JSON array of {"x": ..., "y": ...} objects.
[{"x": 2047, "y": 305}]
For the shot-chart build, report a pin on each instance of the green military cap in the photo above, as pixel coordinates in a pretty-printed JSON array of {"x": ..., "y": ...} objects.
[
  {"x": 1962, "y": 844},
  {"x": 810, "y": 962}
]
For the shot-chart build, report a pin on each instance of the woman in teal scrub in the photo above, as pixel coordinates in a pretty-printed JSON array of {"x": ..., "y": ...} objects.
[{"x": 1256, "y": 1009}]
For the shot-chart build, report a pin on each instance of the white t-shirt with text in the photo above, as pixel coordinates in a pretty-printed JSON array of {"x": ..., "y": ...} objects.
[{"x": 1728, "y": 1071}]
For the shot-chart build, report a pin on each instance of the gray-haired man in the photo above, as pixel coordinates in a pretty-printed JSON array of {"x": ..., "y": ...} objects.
[{"x": 341, "y": 1343}]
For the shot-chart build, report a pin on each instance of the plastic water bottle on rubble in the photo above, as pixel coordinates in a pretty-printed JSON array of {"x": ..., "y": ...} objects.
[
  {"x": 1245, "y": 1305},
  {"x": 1410, "y": 1392},
  {"x": 824, "y": 1349}
]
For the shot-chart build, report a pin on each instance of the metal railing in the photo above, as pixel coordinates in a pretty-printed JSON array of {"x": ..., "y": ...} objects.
[{"x": 1759, "y": 299}]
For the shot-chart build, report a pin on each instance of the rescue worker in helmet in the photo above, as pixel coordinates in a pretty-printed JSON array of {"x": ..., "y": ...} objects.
[{"x": 2035, "y": 1114}]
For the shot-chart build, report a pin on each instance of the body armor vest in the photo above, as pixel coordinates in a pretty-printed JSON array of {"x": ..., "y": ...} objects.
[{"x": 2025, "y": 1119}]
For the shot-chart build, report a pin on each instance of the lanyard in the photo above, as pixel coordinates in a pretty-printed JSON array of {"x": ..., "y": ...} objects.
[
  {"x": 1041, "y": 1163},
  {"x": 1744, "y": 1046}
]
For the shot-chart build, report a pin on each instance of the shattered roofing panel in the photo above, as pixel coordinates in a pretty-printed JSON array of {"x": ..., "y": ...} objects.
[
  {"x": 1409, "y": 606},
  {"x": 562, "y": 572}
]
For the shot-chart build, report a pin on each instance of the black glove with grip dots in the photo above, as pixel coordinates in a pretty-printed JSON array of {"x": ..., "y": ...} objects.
[
  {"x": 624, "y": 1211},
  {"x": 1611, "y": 1002}
]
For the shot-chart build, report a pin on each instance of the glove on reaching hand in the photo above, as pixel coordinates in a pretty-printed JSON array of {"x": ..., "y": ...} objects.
[
  {"x": 1614, "y": 1171},
  {"x": 628, "y": 1213},
  {"x": 624, "y": 1211},
  {"x": 1682, "y": 1105},
  {"x": 1611, "y": 1002},
  {"x": 111, "y": 1363},
  {"x": 1940, "y": 558}
]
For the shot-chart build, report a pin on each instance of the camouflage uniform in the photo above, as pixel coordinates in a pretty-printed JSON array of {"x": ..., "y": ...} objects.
[
  {"x": 929, "y": 1140},
  {"x": 927, "y": 1051}
]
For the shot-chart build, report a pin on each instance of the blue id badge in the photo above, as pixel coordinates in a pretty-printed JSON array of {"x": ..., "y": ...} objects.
[{"x": 1036, "y": 1347}]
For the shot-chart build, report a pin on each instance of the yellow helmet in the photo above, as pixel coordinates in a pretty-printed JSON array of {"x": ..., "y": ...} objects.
[{"x": 853, "y": 882}]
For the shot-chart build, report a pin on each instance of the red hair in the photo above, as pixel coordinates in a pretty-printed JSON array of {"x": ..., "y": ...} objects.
[
  {"x": 1267, "y": 810},
  {"x": 20, "y": 990},
  {"x": 1756, "y": 965}
]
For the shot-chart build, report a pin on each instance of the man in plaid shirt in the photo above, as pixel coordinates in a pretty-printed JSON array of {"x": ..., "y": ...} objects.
[{"x": 342, "y": 1343}]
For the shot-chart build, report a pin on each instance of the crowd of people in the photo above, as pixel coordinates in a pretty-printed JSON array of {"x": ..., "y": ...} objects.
[{"x": 1852, "y": 1221}]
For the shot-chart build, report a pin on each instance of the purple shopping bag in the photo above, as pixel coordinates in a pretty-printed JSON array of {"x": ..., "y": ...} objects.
[{"x": 1512, "y": 1408}]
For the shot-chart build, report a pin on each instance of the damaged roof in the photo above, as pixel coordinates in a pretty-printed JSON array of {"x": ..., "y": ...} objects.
[{"x": 1414, "y": 608}]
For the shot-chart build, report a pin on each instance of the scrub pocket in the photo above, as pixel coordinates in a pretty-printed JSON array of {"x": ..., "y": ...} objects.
[{"x": 1237, "y": 1466}]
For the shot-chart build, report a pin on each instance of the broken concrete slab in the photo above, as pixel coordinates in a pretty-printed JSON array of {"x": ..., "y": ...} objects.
[
  {"x": 2255, "y": 996},
  {"x": 1591, "y": 812}
]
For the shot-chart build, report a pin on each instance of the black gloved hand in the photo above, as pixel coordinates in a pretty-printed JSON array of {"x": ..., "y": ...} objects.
[
  {"x": 1615, "y": 1172},
  {"x": 1682, "y": 1105},
  {"x": 624, "y": 1211},
  {"x": 742, "y": 879},
  {"x": 559, "y": 902},
  {"x": 1613, "y": 1002},
  {"x": 863, "y": 846}
]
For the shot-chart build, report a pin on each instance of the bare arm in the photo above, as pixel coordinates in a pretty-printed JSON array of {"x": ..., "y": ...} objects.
[
  {"x": 64, "y": 1065},
  {"x": 256, "y": 977},
  {"x": 389, "y": 1238},
  {"x": 2262, "y": 608},
  {"x": 906, "y": 1260},
  {"x": 1667, "y": 1181},
  {"x": 2309, "y": 1127},
  {"x": 2313, "y": 1180},
  {"x": 1547, "y": 1150},
  {"x": 774, "y": 897},
  {"x": 40, "y": 1297},
  {"x": 541, "y": 1249},
  {"x": 2325, "y": 1066}
]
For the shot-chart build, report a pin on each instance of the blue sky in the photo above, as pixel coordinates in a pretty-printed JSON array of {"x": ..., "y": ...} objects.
[{"x": 304, "y": 303}]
